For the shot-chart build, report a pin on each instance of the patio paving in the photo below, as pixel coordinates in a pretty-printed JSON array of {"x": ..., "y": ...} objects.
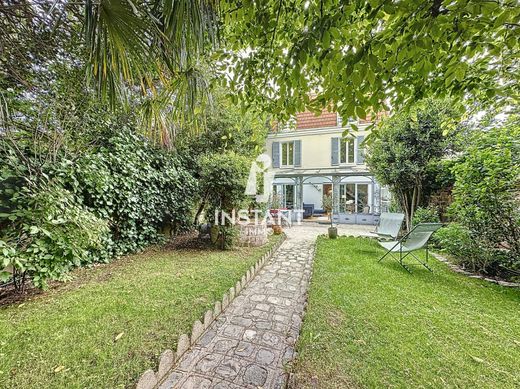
[{"x": 249, "y": 344}]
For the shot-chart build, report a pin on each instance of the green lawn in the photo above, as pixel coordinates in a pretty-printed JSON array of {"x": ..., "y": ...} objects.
[
  {"x": 67, "y": 337},
  {"x": 373, "y": 325}
]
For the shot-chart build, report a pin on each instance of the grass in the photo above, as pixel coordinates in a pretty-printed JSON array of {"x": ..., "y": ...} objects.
[
  {"x": 71, "y": 337},
  {"x": 373, "y": 325}
]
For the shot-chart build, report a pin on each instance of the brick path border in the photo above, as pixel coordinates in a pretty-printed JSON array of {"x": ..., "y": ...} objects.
[{"x": 168, "y": 359}]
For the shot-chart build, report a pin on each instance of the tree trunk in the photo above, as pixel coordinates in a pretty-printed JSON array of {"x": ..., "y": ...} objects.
[
  {"x": 403, "y": 200},
  {"x": 200, "y": 209},
  {"x": 412, "y": 207}
]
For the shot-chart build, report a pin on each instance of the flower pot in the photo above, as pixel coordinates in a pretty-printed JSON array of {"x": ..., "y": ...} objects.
[
  {"x": 277, "y": 229},
  {"x": 333, "y": 232}
]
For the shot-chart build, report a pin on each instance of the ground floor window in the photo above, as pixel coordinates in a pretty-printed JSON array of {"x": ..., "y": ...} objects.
[
  {"x": 285, "y": 195},
  {"x": 354, "y": 198}
]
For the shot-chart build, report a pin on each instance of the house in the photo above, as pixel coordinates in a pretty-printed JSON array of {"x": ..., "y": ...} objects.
[{"x": 311, "y": 159}]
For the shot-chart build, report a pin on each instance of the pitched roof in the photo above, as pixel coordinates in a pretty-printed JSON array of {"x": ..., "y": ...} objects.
[{"x": 309, "y": 120}]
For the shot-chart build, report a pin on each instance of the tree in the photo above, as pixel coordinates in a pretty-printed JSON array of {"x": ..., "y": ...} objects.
[
  {"x": 403, "y": 148},
  {"x": 147, "y": 56},
  {"x": 226, "y": 130},
  {"x": 363, "y": 56},
  {"x": 359, "y": 56},
  {"x": 223, "y": 178}
]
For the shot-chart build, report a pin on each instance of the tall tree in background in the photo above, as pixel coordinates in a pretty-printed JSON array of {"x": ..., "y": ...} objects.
[
  {"x": 406, "y": 144},
  {"x": 150, "y": 57}
]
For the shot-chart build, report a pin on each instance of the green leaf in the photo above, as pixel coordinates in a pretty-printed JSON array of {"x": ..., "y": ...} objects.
[
  {"x": 360, "y": 112},
  {"x": 326, "y": 40}
]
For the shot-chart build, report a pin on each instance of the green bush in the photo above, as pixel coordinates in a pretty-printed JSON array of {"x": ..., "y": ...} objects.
[
  {"x": 50, "y": 232},
  {"x": 116, "y": 197},
  {"x": 140, "y": 189},
  {"x": 228, "y": 236},
  {"x": 426, "y": 215},
  {"x": 485, "y": 194},
  {"x": 223, "y": 178},
  {"x": 467, "y": 250}
]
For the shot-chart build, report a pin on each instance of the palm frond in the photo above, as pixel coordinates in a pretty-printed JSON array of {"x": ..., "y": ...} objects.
[
  {"x": 154, "y": 48},
  {"x": 117, "y": 37},
  {"x": 178, "y": 106}
]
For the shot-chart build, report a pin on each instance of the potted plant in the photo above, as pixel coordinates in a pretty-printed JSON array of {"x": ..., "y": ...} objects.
[
  {"x": 276, "y": 204},
  {"x": 328, "y": 205},
  {"x": 333, "y": 231}
]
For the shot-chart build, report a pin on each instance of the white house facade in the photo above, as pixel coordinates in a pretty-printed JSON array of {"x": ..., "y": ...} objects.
[{"x": 312, "y": 159}]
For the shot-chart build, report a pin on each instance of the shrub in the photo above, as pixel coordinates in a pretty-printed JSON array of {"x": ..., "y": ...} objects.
[
  {"x": 223, "y": 180},
  {"x": 114, "y": 198},
  {"x": 50, "y": 232},
  {"x": 426, "y": 215},
  {"x": 228, "y": 236},
  {"x": 140, "y": 189},
  {"x": 486, "y": 188},
  {"x": 469, "y": 251}
]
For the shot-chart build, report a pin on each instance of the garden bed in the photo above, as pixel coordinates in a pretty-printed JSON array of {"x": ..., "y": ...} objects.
[
  {"x": 371, "y": 324},
  {"x": 112, "y": 322}
]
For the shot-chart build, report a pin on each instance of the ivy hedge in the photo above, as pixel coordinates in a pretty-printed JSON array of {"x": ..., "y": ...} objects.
[{"x": 115, "y": 197}]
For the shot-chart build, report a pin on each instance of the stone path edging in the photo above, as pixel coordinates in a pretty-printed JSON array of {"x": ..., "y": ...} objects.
[
  {"x": 168, "y": 359},
  {"x": 460, "y": 270}
]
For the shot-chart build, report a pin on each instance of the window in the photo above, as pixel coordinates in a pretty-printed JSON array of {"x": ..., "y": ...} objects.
[
  {"x": 353, "y": 198},
  {"x": 346, "y": 151},
  {"x": 287, "y": 153},
  {"x": 362, "y": 197},
  {"x": 283, "y": 196}
]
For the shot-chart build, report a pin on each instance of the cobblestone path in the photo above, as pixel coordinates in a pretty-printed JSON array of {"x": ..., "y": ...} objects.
[{"x": 248, "y": 345}]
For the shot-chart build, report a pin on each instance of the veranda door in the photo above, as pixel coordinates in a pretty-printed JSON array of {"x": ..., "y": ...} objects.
[
  {"x": 286, "y": 193},
  {"x": 354, "y": 198}
]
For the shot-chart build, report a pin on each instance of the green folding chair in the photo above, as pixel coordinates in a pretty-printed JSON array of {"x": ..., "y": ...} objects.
[
  {"x": 416, "y": 239},
  {"x": 389, "y": 225}
]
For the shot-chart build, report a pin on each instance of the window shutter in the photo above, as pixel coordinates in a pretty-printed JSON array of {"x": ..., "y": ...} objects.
[
  {"x": 334, "y": 152},
  {"x": 276, "y": 154},
  {"x": 297, "y": 153},
  {"x": 360, "y": 151}
]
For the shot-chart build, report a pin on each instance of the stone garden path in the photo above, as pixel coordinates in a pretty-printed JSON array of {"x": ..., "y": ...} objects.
[{"x": 248, "y": 345}]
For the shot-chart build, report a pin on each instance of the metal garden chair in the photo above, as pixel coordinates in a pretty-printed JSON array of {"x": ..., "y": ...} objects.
[
  {"x": 389, "y": 225},
  {"x": 416, "y": 239}
]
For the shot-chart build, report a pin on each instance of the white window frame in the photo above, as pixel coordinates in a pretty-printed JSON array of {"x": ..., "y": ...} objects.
[
  {"x": 287, "y": 154},
  {"x": 356, "y": 195},
  {"x": 344, "y": 150},
  {"x": 281, "y": 190}
]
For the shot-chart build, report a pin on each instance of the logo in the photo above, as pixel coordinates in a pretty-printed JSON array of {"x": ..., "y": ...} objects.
[
  {"x": 260, "y": 167},
  {"x": 260, "y": 176}
]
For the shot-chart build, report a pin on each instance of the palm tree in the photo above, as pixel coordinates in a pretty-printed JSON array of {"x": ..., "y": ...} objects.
[{"x": 146, "y": 53}]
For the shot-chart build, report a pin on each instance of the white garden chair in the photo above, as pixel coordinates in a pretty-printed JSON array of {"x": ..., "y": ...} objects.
[
  {"x": 416, "y": 239},
  {"x": 389, "y": 225}
]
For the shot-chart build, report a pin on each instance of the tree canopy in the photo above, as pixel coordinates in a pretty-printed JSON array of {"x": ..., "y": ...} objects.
[
  {"x": 359, "y": 56},
  {"x": 371, "y": 55},
  {"x": 406, "y": 145}
]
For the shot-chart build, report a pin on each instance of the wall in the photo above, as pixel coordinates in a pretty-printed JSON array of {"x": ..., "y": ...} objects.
[{"x": 316, "y": 146}]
